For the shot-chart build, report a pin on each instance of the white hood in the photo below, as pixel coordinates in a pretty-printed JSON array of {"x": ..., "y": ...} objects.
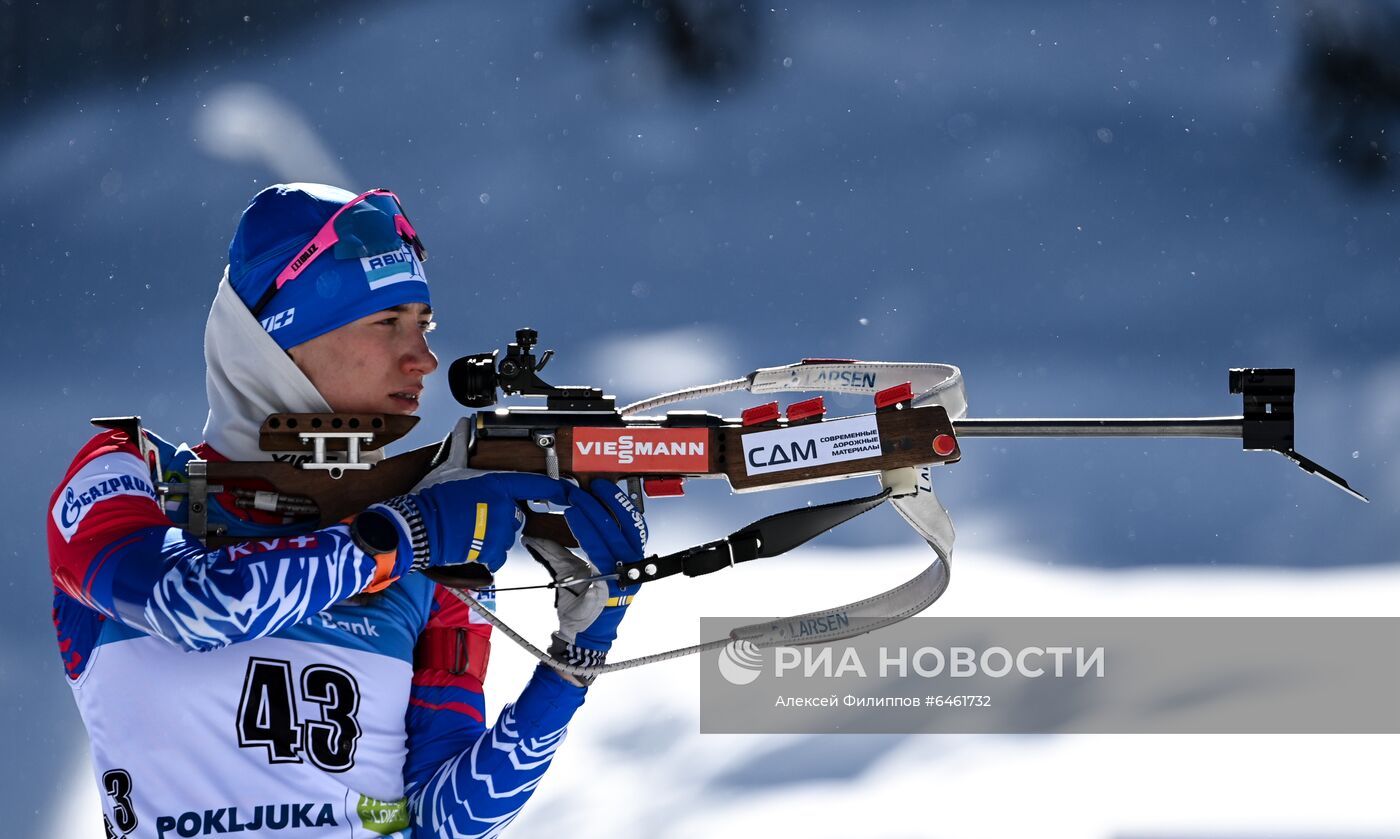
[{"x": 247, "y": 376}]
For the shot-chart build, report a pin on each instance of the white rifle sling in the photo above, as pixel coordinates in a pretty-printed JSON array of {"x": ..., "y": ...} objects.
[{"x": 932, "y": 384}]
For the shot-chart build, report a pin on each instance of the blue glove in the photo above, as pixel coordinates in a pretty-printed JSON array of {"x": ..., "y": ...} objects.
[
  {"x": 609, "y": 530},
  {"x": 466, "y": 520}
]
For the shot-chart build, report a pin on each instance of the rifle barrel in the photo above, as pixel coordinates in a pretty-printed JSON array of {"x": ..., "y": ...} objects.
[{"x": 1112, "y": 427}]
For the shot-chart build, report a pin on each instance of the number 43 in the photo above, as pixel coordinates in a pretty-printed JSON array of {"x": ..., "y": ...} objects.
[{"x": 267, "y": 714}]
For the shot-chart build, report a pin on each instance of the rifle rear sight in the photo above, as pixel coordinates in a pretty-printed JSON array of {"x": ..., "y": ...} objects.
[{"x": 475, "y": 378}]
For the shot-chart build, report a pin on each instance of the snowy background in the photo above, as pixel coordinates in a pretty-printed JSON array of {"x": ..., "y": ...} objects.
[{"x": 1093, "y": 209}]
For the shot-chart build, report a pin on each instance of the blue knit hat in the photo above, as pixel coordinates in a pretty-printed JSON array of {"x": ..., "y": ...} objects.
[{"x": 371, "y": 268}]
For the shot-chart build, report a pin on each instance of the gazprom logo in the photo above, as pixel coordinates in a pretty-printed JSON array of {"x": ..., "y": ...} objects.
[
  {"x": 385, "y": 269},
  {"x": 106, "y": 477}
]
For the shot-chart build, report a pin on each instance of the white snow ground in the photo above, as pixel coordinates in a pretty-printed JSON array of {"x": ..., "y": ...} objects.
[{"x": 636, "y": 764}]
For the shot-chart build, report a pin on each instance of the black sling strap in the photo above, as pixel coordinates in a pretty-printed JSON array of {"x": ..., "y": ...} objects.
[{"x": 769, "y": 536}]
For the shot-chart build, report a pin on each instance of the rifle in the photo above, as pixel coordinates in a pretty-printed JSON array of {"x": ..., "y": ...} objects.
[{"x": 917, "y": 423}]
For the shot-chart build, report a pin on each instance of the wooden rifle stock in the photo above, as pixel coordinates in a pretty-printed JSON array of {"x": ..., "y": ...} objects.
[{"x": 583, "y": 447}]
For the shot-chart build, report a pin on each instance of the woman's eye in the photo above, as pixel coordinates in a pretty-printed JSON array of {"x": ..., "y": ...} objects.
[{"x": 427, "y": 326}]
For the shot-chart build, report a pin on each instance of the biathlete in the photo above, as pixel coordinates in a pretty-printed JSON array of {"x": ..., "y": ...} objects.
[{"x": 309, "y": 683}]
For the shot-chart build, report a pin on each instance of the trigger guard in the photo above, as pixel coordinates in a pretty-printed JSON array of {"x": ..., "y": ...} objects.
[{"x": 469, "y": 575}]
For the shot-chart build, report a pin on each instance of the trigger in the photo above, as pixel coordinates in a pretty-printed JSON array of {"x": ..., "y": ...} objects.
[
  {"x": 466, "y": 575},
  {"x": 551, "y": 526}
]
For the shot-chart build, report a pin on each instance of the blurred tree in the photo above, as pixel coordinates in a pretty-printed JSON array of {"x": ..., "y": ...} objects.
[
  {"x": 1350, "y": 73},
  {"x": 46, "y": 48},
  {"x": 704, "y": 41}
]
